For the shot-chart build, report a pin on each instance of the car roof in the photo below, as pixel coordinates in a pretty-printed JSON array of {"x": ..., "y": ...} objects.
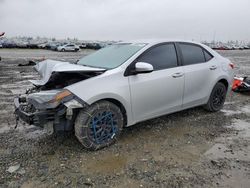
[
  {"x": 157, "y": 41},
  {"x": 152, "y": 42}
]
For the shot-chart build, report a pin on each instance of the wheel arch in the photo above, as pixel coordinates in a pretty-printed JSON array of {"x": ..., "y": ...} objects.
[{"x": 224, "y": 81}]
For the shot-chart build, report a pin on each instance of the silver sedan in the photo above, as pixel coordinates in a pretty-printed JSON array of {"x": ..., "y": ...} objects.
[{"x": 123, "y": 84}]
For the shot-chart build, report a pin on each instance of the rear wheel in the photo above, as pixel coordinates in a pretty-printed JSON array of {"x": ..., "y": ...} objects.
[
  {"x": 63, "y": 50},
  {"x": 217, "y": 98},
  {"x": 99, "y": 125}
]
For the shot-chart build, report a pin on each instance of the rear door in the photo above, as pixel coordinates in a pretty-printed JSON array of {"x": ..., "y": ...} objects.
[
  {"x": 199, "y": 68},
  {"x": 161, "y": 91}
]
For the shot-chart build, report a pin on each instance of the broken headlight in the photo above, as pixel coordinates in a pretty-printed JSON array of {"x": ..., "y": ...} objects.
[
  {"x": 48, "y": 99},
  {"x": 60, "y": 96}
]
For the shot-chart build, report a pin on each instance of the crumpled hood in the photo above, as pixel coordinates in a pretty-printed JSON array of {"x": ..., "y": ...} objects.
[{"x": 47, "y": 67}]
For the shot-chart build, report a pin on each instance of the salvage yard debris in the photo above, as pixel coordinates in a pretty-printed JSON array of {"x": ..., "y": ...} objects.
[
  {"x": 30, "y": 63},
  {"x": 14, "y": 168},
  {"x": 241, "y": 84}
]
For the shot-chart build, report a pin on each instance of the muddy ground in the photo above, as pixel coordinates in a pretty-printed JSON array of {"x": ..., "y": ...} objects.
[{"x": 192, "y": 148}]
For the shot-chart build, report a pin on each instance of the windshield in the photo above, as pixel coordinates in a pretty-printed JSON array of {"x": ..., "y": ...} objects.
[{"x": 111, "y": 56}]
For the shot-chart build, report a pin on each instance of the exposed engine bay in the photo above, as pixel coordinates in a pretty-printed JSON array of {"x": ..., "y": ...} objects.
[
  {"x": 57, "y": 75},
  {"x": 59, "y": 80}
]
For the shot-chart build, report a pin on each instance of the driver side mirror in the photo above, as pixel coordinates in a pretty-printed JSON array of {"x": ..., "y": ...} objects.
[{"x": 142, "y": 67}]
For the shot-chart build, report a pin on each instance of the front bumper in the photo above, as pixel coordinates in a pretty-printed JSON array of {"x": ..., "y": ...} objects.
[
  {"x": 26, "y": 117},
  {"x": 37, "y": 118}
]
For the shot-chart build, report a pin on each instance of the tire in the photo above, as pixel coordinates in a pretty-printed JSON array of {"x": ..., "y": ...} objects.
[
  {"x": 217, "y": 98},
  {"x": 63, "y": 50},
  {"x": 102, "y": 132}
]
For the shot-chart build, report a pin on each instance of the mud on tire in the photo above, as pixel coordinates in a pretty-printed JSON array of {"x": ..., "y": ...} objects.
[{"x": 99, "y": 125}]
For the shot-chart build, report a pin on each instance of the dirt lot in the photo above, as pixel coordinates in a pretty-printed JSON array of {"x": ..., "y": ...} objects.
[{"x": 192, "y": 148}]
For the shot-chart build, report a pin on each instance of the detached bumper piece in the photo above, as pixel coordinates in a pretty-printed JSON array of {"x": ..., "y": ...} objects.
[{"x": 241, "y": 84}]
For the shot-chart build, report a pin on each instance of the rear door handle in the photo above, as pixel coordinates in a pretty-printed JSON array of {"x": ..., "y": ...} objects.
[
  {"x": 213, "y": 67},
  {"x": 177, "y": 75}
]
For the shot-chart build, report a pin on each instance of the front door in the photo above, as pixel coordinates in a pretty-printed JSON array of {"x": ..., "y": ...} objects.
[{"x": 161, "y": 91}]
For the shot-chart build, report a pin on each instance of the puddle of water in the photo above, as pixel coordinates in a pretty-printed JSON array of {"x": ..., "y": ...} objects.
[
  {"x": 236, "y": 176},
  {"x": 220, "y": 150},
  {"x": 106, "y": 164}
]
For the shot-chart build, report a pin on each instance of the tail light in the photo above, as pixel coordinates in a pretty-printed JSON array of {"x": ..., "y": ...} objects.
[{"x": 231, "y": 65}]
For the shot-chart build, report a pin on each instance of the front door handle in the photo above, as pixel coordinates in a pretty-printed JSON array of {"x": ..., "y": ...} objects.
[
  {"x": 213, "y": 67},
  {"x": 177, "y": 75}
]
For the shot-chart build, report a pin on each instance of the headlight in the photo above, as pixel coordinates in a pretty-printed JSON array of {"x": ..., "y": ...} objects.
[
  {"x": 60, "y": 96},
  {"x": 48, "y": 99}
]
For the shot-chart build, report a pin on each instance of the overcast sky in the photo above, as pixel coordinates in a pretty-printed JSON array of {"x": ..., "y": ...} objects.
[{"x": 127, "y": 19}]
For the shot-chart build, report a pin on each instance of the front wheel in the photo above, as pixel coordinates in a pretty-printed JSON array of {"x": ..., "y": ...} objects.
[
  {"x": 99, "y": 125},
  {"x": 217, "y": 98}
]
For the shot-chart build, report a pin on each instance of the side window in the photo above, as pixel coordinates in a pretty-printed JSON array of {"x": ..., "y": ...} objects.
[
  {"x": 207, "y": 55},
  {"x": 161, "y": 57},
  {"x": 192, "y": 54}
]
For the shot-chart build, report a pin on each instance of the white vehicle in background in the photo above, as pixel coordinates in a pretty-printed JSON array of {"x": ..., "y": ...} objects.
[
  {"x": 68, "y": 48},
  {"x": 123, "y": 84}
]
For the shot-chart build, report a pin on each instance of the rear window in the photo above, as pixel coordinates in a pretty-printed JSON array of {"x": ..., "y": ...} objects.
[{"x": 192, "y": 54}]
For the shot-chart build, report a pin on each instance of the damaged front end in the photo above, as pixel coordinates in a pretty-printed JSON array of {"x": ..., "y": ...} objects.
[
  {"x": 54, "y": 110},
  {"x": 48, "y": 104}
]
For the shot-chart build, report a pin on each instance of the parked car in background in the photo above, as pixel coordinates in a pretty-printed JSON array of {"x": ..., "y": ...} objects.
[
  {"x": 52, "y": 45},
  {"x": 1, "y": 46},
  {"x": 83, "y": 45},
  {"x": 9, "y": 44},
  {"x": 42, "y": 46},
  {"x": 32, "y": 45},
  {"x": 21, "y": 44},
  {"x": 123, "y": 84},
  {"x": 68, "y": 48},
  {"x": 95, "y": 46}
]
